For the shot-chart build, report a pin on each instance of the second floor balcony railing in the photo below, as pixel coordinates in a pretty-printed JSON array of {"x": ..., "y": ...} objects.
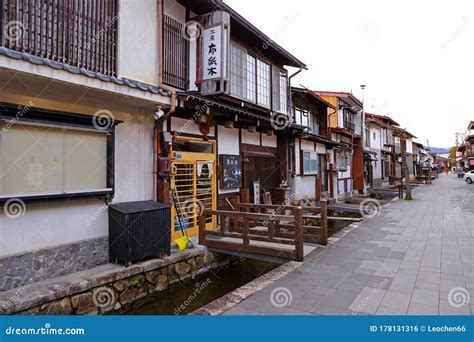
[{"x": 75, "y": 32}]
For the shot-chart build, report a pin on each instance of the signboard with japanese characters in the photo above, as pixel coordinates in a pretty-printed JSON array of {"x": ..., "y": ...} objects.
[
  {"x": 212, "y": 53},
  {"x": 231, "y": 171}
]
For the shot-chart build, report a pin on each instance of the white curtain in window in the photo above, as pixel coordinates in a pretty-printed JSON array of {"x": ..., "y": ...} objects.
[{"x": 43, "y": 160}]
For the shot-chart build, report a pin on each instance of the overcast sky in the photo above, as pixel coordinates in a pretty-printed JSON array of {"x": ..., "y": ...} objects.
[{"x": 416, "y": 57}]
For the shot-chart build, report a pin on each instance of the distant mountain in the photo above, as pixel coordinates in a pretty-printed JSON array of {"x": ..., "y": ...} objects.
[{"x": 440, "y": 149}]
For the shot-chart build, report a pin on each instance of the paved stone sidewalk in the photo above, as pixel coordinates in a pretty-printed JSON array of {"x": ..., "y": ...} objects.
[{"x": 415, "y": 258}]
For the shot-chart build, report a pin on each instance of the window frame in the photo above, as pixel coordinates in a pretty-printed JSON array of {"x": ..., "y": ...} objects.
[
  {"x": 283, "y": 92},
  {"x": 250, "y": 79},
  {"x": 9, "y": 113},
  {"x": 260, "y": 66},
  {"x": 347, "y": 161},
  {"x": 312, "y": 154}
]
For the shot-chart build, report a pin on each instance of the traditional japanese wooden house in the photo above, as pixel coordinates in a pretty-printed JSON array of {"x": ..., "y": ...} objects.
[
  {"x": 310, "y": 150},
  {"x": 227, "y": 135},
  {"x": 345, "y": 127}
]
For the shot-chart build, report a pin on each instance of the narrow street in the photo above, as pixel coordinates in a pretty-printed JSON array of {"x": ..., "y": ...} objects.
[{"x": 415, "y": 258}]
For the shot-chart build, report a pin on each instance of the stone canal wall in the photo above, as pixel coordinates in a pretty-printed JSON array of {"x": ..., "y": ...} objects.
[
  {"x": 108, "y": 288},
  {"x": 33, "y": 266}
]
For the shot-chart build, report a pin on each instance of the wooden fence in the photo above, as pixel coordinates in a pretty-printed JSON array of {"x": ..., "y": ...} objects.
[{"x": 274, "y": 224}]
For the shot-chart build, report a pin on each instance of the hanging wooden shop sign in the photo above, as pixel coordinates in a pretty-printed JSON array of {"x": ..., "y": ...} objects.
[{"x": 231, "y": 171}]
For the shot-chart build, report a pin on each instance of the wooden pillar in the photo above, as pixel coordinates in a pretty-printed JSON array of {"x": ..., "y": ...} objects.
[
  {"x": 323, "y": 239},
  {"x": 245, "y": 231},
  {"x": 163, "y": 195},
  {"x": 245, "y": 195},
  {"x": 331, "y": 180},
  {"x": 202, "y": 229},
  {"x": 282, "y": 146},
  {"x": 299, "y": 247},
  {"x": 319, "y": 187},
  {"x": 271, "y": 229},
  {"x": 236, "y": 216}
]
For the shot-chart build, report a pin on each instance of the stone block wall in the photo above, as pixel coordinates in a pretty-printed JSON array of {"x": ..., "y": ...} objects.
[
  {"x": 23, "y": 269},
  {"x": 109, "y": 291}
]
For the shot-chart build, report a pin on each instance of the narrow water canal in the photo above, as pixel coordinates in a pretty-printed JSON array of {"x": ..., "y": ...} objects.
[{"x": 186, "y": 300}]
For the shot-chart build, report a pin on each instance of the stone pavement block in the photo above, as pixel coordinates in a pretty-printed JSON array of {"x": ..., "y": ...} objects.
[
  {"x": 368, "y": 300},
  {"x": 445, "y": 308},
  {"x": 429, "y": 277},
  {"x": 371, "y": 264},
  {"x": 389, "y": 311},
  {"x": 397, "y": 300},
  {"x": 427, "y": 286},
  {"x": 426, "y": 297},
  {"x": 333, "y": 311},
  {"x": 340, "y": 299}
]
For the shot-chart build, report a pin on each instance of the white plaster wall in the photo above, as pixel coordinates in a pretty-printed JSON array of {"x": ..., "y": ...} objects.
[
  {"x": 54, "y": 223},
  {"x": 269, "y": 141},
  {"x": 378, "y": 166},
  {"x": 174, "y": 10},
  {"x": 137, "y": 49},
  {"x": 252, "y": 138},
  {"x": 228, "y": 143},
  {"x": 340, "y": 118},
  {"x": 376, "y": 146},
  {"x": 307, "y": 145},
  {"x": 305, "y": 186},
  {"x": 410, "y": 146}
]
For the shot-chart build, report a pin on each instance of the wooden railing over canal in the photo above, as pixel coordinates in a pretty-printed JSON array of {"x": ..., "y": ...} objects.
[{"x": 270, "y": 230}]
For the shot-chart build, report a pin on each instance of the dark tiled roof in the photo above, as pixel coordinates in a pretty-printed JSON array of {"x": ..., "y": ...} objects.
[{"x": 75, "y": 70}]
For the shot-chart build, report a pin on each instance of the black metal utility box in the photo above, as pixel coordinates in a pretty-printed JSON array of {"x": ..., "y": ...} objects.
[{"x": 139, "y": 230}]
